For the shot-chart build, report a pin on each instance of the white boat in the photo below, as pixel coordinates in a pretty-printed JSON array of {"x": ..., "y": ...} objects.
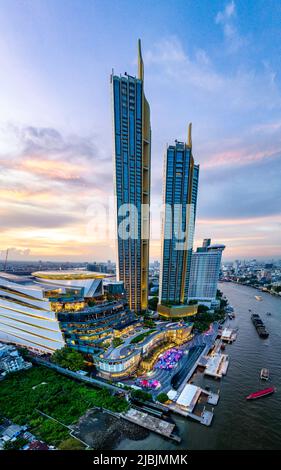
[
  {"x": 258, "y": 297},
  {"x": 264, "y": 375}
]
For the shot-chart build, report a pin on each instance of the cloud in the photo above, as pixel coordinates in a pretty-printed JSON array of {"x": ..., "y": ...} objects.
[
  {"x": 200, "y": 83},
  {"x": 225, "y": 18},
  {"x": 23, "y": 218},
  {"x": 247, "y": 192},
  {"x": 168, "y": 54},
  {"x": 47, "y": 182},
  {"x": 52, "y": 157},
  {"x": 226, "y": 14}
]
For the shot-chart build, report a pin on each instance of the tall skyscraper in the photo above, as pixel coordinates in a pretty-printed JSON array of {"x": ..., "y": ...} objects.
[
  {"x": 204, "y": 274},
  {"x": 180, "y": 199},
  {"x": 132, "y": 156}
]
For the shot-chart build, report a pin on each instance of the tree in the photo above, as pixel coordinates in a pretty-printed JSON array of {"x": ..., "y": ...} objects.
[
  {"x": 18, "y": 444},
  {"x": 219, "y": 294},
  {"x": 149, "y": 323},
  {"x": 162, "y": 397},
  {"x": 71, "y": 444},
  {"x": 152, "y": 303},
  {"x": 141, "y": 395},
  {"x": 24, "y": 352},
  {"x": 202, "y": 308},
  {"x": 117, "y": 342},
  {"x": 68, "y": 358},
  {"x": 224, "y": 303},
  {"x": 139, "y": 338}
]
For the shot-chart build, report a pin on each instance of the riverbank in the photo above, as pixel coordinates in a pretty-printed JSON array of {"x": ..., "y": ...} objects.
[
  {"x": 259, "y": 288},
  {"x": 102, "y": 431}
]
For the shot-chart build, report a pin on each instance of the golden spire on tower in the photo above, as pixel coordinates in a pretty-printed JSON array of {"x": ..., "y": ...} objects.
[
  {"x": 189, "y": 138},
  {"x": 140, "y": 62}
]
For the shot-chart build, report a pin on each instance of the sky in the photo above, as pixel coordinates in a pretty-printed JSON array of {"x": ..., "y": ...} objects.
[{"x": 214, "y": 63}]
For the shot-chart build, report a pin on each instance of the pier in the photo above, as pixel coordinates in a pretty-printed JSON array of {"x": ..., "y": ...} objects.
[
  {"x": 185, "y": 403},
  {"x": 217, "y": 365},
  {"x": 152, "y": 423},
  {"x": 228, "y": 335},
  {"x": 205, "y": 418}
]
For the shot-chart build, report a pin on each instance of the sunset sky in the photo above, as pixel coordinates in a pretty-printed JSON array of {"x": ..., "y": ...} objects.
[{"x": 214, "y": 63}]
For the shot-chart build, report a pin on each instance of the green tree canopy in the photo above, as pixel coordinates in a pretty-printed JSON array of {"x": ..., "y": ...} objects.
[
  {"x": 152, "y": 303},
  {"x": 141, "y": 395},
  {"x": 162, "y": 397},
  {"x": 68, "y": 358}
]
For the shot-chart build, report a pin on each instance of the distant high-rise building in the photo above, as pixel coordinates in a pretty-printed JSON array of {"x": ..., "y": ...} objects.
[
  {"x": 206, "y": 242},
  {"x": 204, "y": 274},
  {"x": 132, "y": 155},
  {"x": 236, "y": 266},
  {"x": 180, "y": 199}
]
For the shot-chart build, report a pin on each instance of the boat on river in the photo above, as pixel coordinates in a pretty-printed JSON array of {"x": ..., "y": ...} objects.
[
  {"x": 258, "y": 297},
  {"x": 264, "y": 374},
  {"x": 261, "y": 393},
  {"x": 259, "y": 325}
]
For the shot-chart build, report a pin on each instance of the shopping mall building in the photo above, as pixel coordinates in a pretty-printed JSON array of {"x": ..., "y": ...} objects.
[
  {"x": 51, "y": 309},
  {"x": 125, "y": 360}
]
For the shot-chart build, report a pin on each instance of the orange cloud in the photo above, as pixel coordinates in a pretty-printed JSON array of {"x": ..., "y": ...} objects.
[
  {"x": 237, "y": 157},
  {"x": 52, "y": 168}
]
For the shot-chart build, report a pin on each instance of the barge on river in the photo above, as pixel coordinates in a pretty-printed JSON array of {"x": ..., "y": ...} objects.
[{"x": 259, "y": 325}]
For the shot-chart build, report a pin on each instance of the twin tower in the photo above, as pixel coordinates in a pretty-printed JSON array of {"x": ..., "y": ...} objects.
[{"x": 132, "y": 174}]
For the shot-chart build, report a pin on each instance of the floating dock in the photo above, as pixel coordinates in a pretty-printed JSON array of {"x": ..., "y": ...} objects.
[
  {"x": 217, "y": 365},
  {"x": 185, "y": 403},
  {"x": 205, "y": 418},
  {"x": 228, "y": 335}
]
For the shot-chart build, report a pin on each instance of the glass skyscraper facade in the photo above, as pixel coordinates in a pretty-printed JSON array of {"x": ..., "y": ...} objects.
[
  {"x": 205, "y": 270},
  {"x": 132, "y": 156},
  {"x": 179, "y": 199}
]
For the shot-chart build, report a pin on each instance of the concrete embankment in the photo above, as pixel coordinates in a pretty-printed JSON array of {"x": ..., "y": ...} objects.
[{"x": 104, "y": 431}]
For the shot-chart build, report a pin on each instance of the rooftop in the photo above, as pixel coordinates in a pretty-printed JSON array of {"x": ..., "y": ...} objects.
[
  {"x": 15, "y": 278},
  {"x": 189, "y": 396},
  {"x": 69, "y": 275}
]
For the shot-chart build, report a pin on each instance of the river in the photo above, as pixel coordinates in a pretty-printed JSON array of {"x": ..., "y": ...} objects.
[{"x": 237, "y": 424}]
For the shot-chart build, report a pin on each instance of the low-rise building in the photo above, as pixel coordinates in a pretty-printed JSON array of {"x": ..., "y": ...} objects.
[
  {"x": 11, "y": 432},
  {"x": 188, "y": 397},
  {"x": 11, "y": 360}
]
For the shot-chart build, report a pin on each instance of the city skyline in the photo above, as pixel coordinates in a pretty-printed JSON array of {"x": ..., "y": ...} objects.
[{"x": 55, "y": 123}]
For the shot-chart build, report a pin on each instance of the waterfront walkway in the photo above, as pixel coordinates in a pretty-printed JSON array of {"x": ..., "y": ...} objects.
[
  {"x": 194, "y": 350},
  {"x": 76, "y": 376}
]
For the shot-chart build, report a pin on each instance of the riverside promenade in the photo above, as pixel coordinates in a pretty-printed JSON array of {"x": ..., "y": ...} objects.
[{"x": 76, "y": 376}]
